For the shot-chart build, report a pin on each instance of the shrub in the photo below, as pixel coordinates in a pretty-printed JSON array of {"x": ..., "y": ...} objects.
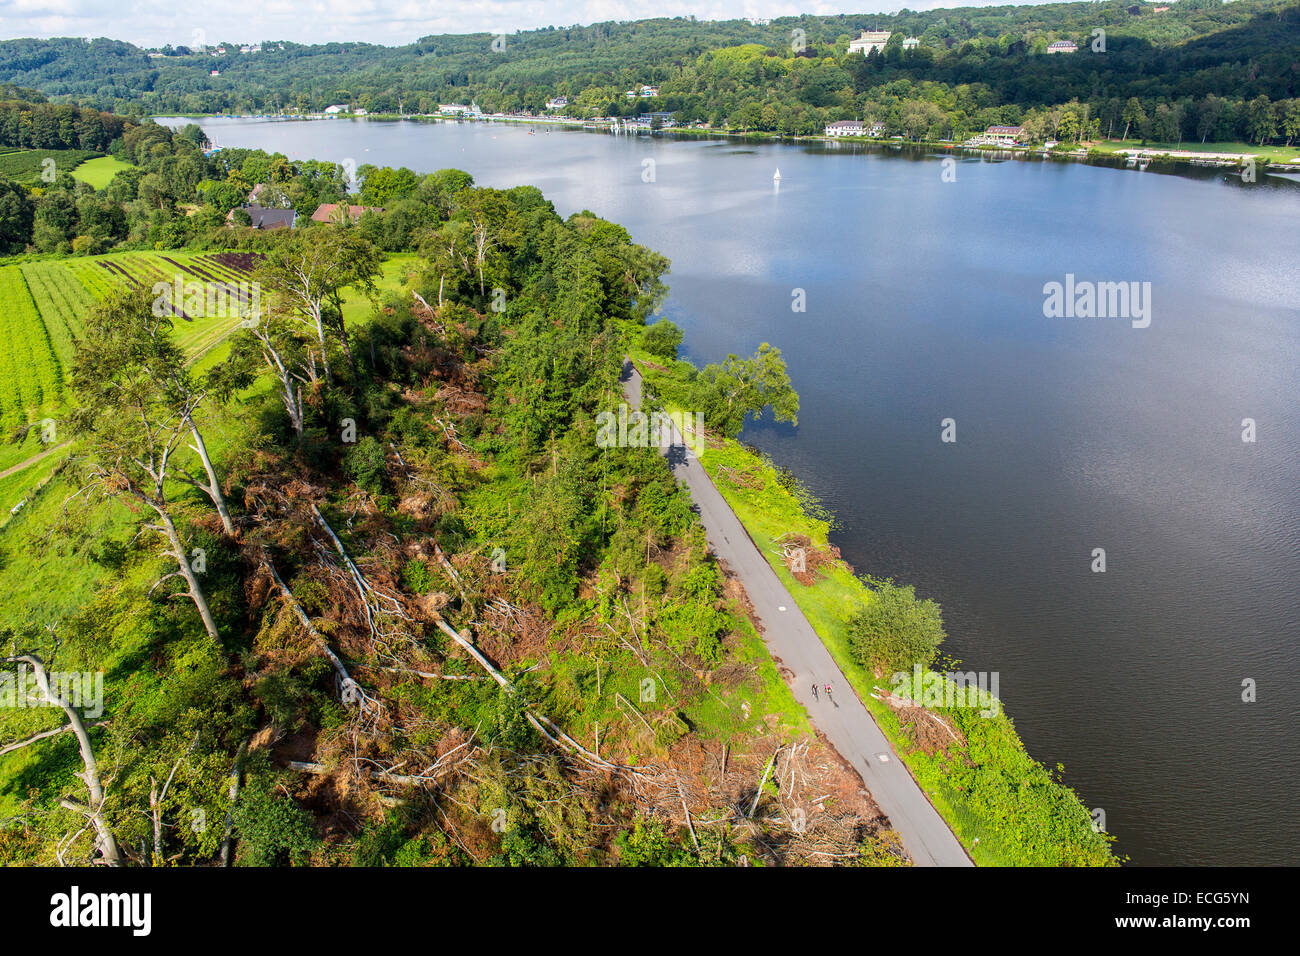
[
  {"x": 367, "y": 465},
  {"x": 662, "y": 339},
  {"x": 893, "y": 631},
  {"x": 649, "y": 844},
  {"x": 696, "y": 627},
  {"x": 416, "y": 576},
  {"x": 273, "y": 829}
]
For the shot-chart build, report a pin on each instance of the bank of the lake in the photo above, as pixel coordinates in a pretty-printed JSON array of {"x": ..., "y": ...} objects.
[
  {"x": 1115, "y": 154},
  {"x": 1006, "y": 808}
]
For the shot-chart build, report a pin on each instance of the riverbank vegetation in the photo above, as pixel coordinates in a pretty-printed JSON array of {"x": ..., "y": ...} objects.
[
  {"x": 364, "y": 589},
  {"x": 1005, "y": 807}
]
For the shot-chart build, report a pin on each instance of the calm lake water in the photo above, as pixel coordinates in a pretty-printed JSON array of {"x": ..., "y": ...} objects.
[{"x": 924, "y": 301}]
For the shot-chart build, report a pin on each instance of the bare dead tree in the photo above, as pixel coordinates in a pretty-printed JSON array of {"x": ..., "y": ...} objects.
[
  {"x": 93, "y": 808},
  {"x": 289, "y": 380}
]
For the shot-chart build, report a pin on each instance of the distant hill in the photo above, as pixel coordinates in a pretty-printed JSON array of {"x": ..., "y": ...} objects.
[
  {"x": 959, "y": 45},
  {"x": 959, "y": 69}
]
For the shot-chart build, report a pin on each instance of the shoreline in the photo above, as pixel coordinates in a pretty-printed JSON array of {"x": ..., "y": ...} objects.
[
  {"x": 999, "y": 807},
  {"x": 1158, "y": 158}
]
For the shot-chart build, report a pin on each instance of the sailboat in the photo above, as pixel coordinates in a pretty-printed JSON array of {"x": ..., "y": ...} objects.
[{"x": 776, "y": 177}]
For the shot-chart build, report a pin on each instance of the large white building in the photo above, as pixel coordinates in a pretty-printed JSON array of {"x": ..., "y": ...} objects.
[
  {"x": 870, "y": 40},
  {"x": 846, "y": 128}
]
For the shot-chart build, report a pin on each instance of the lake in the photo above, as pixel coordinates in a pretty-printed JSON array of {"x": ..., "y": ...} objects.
[{"x": 923, "y": 284}]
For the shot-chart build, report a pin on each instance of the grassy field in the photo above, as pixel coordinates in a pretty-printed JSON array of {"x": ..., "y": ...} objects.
[
  {"x": 1005, "y": 807},
  {"x": 26, "y": 165},
  {"x": 1272, "y": 154},
  {"x": 98, "y": 172},
  {"x": 46, "y": 302}
]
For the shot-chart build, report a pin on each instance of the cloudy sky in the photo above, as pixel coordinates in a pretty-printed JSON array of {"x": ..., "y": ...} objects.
[{"x": 392, "y": 22}]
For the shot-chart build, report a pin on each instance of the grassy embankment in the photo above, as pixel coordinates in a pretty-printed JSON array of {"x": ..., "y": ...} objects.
[
  {"x": 1006, "y": 808},
  {"x": 1270, "y": 154}
]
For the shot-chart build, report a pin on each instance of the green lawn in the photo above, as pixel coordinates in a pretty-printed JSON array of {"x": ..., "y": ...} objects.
[
  {"x": 98, "y": 172},
  {"x": 1272, "y": 154}
]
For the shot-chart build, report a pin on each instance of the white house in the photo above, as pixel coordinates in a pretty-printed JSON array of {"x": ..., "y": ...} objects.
[
  {"x": 451, "y": 109},
  {"x": 1062, "y": 46},
  {"x": 846, "y": 128},
  {"x": 870, "y": 40},
  {"x": 644, "y": 92},
  {"x": 911, "y": 43},
  {"x": 557, "y": 102}
]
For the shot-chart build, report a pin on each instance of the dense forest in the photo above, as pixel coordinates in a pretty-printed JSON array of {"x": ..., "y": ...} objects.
[{"x": 1190, "y": 70}]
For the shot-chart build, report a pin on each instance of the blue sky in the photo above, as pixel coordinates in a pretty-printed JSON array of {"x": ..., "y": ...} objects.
[{"x": 392, "y": 22}]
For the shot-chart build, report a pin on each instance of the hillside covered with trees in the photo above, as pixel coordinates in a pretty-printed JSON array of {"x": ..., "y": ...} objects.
[{"x": 1187, "y": 70}]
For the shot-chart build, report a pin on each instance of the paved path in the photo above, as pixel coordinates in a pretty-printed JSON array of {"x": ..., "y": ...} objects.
[{"x": 845, "y": 721}]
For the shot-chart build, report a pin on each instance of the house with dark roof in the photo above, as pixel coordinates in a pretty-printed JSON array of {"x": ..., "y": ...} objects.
[
  {"x": 1004, "y": 135},
  {"x": 334, "y": 212},
  {"x": 264, "y": 218}
]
